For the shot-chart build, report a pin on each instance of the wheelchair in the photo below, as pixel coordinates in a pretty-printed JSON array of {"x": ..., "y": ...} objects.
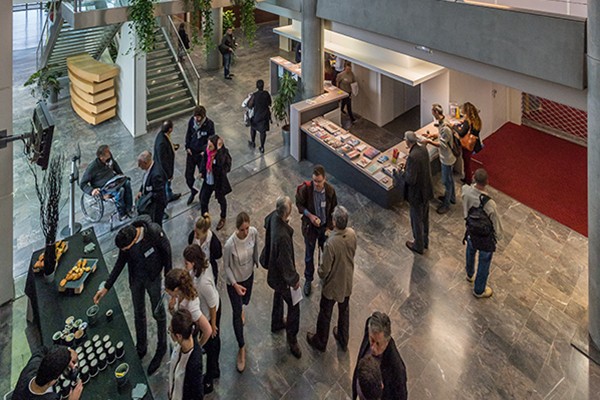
[{"x": 93, "y": 207}]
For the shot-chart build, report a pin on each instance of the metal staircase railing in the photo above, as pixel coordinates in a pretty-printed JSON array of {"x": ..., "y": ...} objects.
[{"x": 49, "y": 35}]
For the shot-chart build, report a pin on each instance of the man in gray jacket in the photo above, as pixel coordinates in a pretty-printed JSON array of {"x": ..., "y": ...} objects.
[{"x": 336, "y": 272}]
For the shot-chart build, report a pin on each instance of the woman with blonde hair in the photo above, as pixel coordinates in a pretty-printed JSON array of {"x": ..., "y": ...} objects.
[
  {"x": 470, "y": 124},
  {"x": 210, "y": 305},
  {"x": 208, "y": 241},
  {"x": 180, "y": 286}
]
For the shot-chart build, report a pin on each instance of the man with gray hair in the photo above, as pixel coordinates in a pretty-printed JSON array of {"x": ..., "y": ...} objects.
[
  {"x": 152, "y": 197},
  {"x": 378, "y": 342},
  {"x": 336, "y": 272},
  {"x": 416, "y": 175},
  {"x": 278, "y": 258}
]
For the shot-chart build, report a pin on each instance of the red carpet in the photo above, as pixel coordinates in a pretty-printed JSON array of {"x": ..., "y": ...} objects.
[{"x": 539, "y": 170}]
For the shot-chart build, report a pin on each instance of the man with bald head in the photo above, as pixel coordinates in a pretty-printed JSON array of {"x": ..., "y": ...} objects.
[
  {"x": 152, "y": 197},
  {"x": 419, "y": 190}
]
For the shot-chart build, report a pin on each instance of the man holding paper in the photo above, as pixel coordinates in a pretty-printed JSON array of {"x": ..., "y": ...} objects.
[
  {"x": 278, "y": 257},
  {"x": 336, "y": 271}
]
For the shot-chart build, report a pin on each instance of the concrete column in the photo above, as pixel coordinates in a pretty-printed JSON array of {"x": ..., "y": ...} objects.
[
  {"x": 131, "y": 83},
  {"x": 214, "y": 59},
  {"x": 7, "y": 291},
  {"x": 593, "y": 58},
  {"x": 312, "y": 50}
]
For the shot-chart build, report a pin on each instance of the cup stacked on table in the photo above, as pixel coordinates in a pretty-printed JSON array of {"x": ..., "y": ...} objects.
[{"x": 73, "y": 334}]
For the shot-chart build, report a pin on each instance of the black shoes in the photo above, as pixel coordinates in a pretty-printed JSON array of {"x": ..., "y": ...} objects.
[
  {"x": 442, "y": 209},
  {"x": 175, "y": 197},
  {"x": 310, "y": 338},
  {"x": 337, "y": 338},
  {"x": 192, "y": 196},
  {"x": 261, "y": 149},
  {"x": 208, "y": 388},
  {"x": 411, "y": 247},
  {"x": 251, "y": 144},
  {"x": 294, "y": 348},
  {"x": 155, "y": 362},
  {"x": 279, "y": 327},
  {"x": 228, "y": 77},
  {"x": 307, "y": 288}
]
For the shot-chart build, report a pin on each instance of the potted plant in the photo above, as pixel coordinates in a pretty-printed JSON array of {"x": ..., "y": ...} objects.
[
  {"x": 44, "y": 83},
  {"x": 288, "y": 87}
]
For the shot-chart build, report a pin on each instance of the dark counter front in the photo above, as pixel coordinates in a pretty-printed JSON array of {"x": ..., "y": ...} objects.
[
  {"x": 52, "y": 308},
  {"x": 319, "y": 153}
]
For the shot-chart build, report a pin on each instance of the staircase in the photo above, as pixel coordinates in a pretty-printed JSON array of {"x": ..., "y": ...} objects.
[
  {"x": 69, "y": 42},
  {"x": 168, "y": 94}
]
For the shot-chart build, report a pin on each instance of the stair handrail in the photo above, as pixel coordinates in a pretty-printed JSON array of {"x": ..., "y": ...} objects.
[
  {"x": 174, "y": 31},
  {"x": 49, "y": 35}
]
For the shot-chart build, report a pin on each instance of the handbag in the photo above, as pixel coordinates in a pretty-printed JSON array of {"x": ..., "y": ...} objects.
[
  {"x": 145, "y": 204},
  {"x": 468, "y": 141}
]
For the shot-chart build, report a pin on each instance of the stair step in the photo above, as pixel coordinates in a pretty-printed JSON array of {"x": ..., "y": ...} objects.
[
  {"x": 164, "y": 77},
  {"x": 159, "y": 69},
  {"x": 158, "y": 117},
  {"x": 171, "y": 93},
  {"x": 166, "y": 104},
  {"x": 160, "y": 86},
  {"x": 165, "y": 60},
  {"x": 158, "y": 53}
]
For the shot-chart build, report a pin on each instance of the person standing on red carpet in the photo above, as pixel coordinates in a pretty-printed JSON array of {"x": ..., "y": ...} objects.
[
  {"x": 475, "y": 196},
  {"x": 471, "y": 124}
]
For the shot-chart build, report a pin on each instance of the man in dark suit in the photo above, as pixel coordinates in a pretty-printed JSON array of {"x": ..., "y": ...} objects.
[
  {"x": 200, "y": 128},
  {"x": 417, "y": 176},
  {"x": 164, "y": 156},
  {"x": 278, "y": 256},
  {"x": 260, "y": 102},
  {"x": 378, "y": 343},
  {"x": 152, "y": 198}
]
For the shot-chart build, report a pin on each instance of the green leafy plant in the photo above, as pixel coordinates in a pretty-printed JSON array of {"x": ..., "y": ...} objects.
[
  {"x": 286, "y": 94},
  {"x": 44, "y": 82},
  {"x": 247, "y": 20},
  {"x": 141, "y": 14},
  {"x": 228, "y": 20},
  {"x": 208, "y": 26}
]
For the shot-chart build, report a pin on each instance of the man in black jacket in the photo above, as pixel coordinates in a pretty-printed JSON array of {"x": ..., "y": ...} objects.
[
  {"x": 144, "y": 247},
  {"x": 316, "y": 201},
  {"x": 164, "y": 155},
  {"x": 282, "y": 275},
  {"x": 152, "y": 198},
  {"x": 200, "y": 128},
  {"x": 417, "y": 176},
  {"x": 42, "y": 372},
  {"x": 378, "y": 343},
  {"x": 99, "y": 172},
  {"x": 260, "y": 103}
]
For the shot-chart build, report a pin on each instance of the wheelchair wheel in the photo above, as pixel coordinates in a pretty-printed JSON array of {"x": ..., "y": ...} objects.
[{"x": 92, "y": 207}]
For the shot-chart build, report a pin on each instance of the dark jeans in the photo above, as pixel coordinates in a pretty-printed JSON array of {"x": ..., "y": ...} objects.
[
  {"x": 419, "y": 222},
  {"x": 263, "y": 137},
  {"x": 237, "y": 303},
  {"x": 192, "y": 161},
  {"x": 448, "y": 182},
  {"x": 293, "y": 316},
  {"x": 227, "y": 63},
  {"x": 123, "y": 197},
  {"x": 466, "y": 155},
  {"x": 205, "y": 192},
  {"x": 324, "y": 320},
  {"x": 138, "y": 297},
  {"x": 310, "y": 243},
  {"x": 347, "y": 102},
  {"x": 157, "y": 213},
  {"x": 213, "y": 349},
  {"x": 483, "y": 268}
]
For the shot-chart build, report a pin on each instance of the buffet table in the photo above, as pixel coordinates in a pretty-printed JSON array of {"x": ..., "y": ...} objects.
[
  {"x": 355, "y": 162},
  {"x": 51, "y": 308}
]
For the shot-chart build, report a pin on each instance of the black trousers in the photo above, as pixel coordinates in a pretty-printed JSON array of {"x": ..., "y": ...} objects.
[
  {"x": 419, "y": 222},
  {"x": 263, "y": 137},
  {"x": 205, "y": 193},
  {"x": 192, "y": 161},
  {"x": 293, "y": 316},
  {"x": 324, "y": 321},
  {"x": 237, "y": 303},
  {"x": 213, "y": 349},
  {"x": 139, "y": 288},
  {"x": 347, "y": 102}
]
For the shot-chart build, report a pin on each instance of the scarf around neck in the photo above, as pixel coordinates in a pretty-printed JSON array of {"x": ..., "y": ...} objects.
[{"x": 209, "y": 159}]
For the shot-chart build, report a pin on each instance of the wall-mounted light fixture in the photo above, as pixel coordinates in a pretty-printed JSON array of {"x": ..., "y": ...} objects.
[{"x": 424, "y": 48}]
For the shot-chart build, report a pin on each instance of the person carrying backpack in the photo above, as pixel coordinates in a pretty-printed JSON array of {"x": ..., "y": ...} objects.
[{"x": 483, "y": 230}]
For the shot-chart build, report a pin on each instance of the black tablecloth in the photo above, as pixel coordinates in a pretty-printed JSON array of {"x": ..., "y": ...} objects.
[{"x": 51, "y": 308}]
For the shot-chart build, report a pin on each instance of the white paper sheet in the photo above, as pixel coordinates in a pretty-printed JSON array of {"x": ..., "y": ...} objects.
[{"x": 296, "y": 295}]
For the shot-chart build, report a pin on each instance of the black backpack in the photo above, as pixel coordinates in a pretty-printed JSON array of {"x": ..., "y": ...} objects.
[{"x": 480, "y": 228}]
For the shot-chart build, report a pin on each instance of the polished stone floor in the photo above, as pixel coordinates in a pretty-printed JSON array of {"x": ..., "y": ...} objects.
[{"x": 515, "y": 345}]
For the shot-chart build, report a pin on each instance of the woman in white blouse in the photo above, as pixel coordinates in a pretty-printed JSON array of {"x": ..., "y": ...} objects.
[
  {"x": 179, "y": 285},
  {"x": 197, "y": 265},
  {"x": 185, "y": 368},
  {"x": 240, "y": 258}
]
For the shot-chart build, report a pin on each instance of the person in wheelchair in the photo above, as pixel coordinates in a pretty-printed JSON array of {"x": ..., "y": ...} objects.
[{"x": 103, "y": 177}]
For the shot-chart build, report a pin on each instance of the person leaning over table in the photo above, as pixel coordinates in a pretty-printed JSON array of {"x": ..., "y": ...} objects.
[
  {"x": 185, "y": 368},
  {"x": 42, "y": 371},
  {"x": 144, "y": 247}
]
